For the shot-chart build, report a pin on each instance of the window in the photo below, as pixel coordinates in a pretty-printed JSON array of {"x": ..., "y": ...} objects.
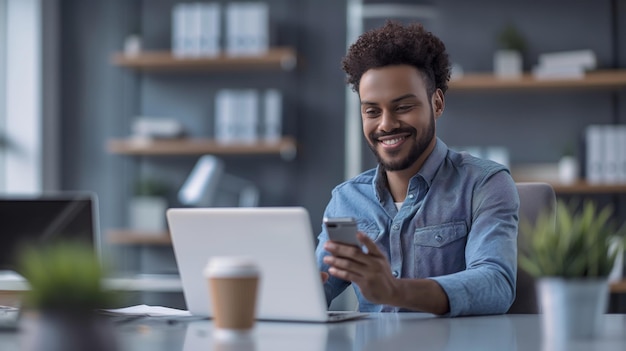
[{"x": 25, "y": 25}]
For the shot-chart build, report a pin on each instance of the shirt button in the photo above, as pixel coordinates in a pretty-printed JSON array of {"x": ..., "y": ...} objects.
[
  {"x": 395, "y": 274},
  {"x": 396, "y": 227},
  {"x": 411, "y": 196},
  {"x": 439, "y": 238}
]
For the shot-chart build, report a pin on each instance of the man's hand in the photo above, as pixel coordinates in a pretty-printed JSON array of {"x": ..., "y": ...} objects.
[
  {"x": 324, "y": 277},
  {"x": 370, "y": 271}
]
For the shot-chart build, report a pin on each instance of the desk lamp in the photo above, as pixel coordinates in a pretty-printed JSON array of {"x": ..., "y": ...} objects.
[{"x": 208, "y": 185}]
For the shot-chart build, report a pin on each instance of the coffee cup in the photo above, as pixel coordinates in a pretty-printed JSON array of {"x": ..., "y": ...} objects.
[{"x": 233, "y": 284}]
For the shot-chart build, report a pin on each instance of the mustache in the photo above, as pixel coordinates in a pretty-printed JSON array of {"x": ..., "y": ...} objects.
[{"x": 410, "y": 130}]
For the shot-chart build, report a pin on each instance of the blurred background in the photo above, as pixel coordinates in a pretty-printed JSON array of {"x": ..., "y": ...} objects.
[{"x": 79, "y": 77}]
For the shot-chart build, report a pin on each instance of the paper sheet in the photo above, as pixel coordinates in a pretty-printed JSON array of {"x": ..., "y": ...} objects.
[{"x": 153, "y": 311}]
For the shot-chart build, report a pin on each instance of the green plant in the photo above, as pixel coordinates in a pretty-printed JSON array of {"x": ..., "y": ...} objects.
[
  {"x": 65, "y": 276},
  {"x": 576, "y": 244},
  {"x": 511, "y": 39},
  {"x": 150, "y": 187}
]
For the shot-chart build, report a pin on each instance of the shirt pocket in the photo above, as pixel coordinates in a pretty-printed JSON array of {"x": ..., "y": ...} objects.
[
  {"x": 438, "y": 250},
  {"x": 369, "y": 228},
  {"x": 440, "y": 235}
]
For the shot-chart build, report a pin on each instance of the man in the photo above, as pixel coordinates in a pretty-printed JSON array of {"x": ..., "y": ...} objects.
[{"x": 438, "y": 228}]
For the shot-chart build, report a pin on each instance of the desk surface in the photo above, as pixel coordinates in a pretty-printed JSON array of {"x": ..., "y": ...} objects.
[
  {"x": 11, "y": 281},
  {"x": 405, "y": 331}
]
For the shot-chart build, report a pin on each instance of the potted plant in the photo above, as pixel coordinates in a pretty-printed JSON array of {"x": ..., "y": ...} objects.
[
  {"x": 568, "y": 166},
  {"x": 571, "y": 255},
  {"x": 60, "y": 309},
  {"x": 508, "y": 59},
  {"x": 148, "y": 206}
]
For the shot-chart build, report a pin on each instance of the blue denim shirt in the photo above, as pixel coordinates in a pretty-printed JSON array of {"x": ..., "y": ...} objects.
[{"x": 457, "y": 226}]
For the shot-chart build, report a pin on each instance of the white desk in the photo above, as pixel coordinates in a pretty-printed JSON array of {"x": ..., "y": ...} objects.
[
  {"x": 10, "y": 281},
  {"x": 387, "y": 332},
  {"x": 391, "y": 332}
]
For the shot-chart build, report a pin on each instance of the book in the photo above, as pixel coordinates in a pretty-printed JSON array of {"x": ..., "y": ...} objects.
[{"x": 585, "y": 59}]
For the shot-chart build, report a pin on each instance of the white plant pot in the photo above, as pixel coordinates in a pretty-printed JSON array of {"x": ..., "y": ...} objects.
[
  {"x": 568, "y": 169},
  {"x": 507, "y": 64},
  {"x": 67, "y": 331},
  {"x": 571, "y": 308},
  {"x": 147, "y": 213}
]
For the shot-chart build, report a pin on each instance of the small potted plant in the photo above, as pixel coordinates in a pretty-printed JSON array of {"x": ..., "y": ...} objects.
[
  {"x": 571, "y": 255},
  {"x": 568, "y": 166},
  {"x": 508, "y": 59},
  {"x": 148, "y": 206},
  {"x": 60, "y": 309}
]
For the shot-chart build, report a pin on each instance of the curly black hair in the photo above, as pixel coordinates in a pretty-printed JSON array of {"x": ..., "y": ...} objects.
[{"x": 395, "y": 44}]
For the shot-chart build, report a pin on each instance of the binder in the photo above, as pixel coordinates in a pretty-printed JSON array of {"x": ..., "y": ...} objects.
[
  {"x": 247, "y": 116},
  {"x": 178, "y": 29},
  {"x": 594, "y": 154},
  {"x": 621, "y": 153},
  {"x": 210, "y": 29},
  {"x": 247, "y": 28},
  {"x": 225, "y": 116},
  {"x": 272, "y": 115},
  {"x": 611, "y": 161}
]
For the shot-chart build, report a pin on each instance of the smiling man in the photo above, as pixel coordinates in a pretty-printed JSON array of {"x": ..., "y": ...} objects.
[{"x": 439, "y": 228}]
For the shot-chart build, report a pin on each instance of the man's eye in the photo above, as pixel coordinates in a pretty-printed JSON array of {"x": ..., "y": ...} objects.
[
  {"x": 404, "y": 108},
  {"x": 371, "y": 112}
]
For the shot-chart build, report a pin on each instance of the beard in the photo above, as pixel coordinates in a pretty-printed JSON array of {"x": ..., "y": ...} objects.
[{"x": 414, "y": 154}]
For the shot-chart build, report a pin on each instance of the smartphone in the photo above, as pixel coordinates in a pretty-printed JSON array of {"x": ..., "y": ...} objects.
[{"x": 342, "y": 230}]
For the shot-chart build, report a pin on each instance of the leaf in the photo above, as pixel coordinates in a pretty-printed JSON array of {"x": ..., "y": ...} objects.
[
  {"x": 574, "y": 241},
  {"x": 64, "y": 275}
]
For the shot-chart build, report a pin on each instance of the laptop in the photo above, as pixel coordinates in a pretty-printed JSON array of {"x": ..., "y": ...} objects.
[
  {"x": 41, "y": 220},
  {"x": 44, "y": 219},
  {"x": 278, "y": 239}
]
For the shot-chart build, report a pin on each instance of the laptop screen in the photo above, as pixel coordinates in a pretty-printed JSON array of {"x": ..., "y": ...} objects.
[{"x": 44, "y": 219}]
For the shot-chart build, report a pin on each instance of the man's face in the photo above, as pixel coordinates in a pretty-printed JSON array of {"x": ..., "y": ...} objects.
[{"x": 398, "y": 116}]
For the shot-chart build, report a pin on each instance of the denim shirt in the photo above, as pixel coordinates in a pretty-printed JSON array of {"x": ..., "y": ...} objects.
[{"x": 457, "y": 226}]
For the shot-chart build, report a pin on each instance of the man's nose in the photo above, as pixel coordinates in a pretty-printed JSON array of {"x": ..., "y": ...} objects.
[{"x": 388, "y": 121}]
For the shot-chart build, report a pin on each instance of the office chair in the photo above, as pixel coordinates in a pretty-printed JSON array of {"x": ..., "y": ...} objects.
[{"x": 535, "y": 199}]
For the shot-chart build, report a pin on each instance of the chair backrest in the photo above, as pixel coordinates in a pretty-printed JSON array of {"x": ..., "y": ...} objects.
[{"x": 535, "y": 199}]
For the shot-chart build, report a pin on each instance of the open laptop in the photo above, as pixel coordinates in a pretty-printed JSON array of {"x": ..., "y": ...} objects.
[
  {"x": 40, "y": 220},
  {"x": 280, "y": 241},
  {"x": 46, "y": 218}
]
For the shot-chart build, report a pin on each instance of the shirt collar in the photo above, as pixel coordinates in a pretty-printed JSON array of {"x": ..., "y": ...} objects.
[
  {"x": 433, "y": 162},
  {"x": 427, "y": 172}
]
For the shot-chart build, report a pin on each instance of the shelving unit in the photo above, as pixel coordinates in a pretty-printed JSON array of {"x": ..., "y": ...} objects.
[
  {"x": 275, "y": 59},
  {"x": 601, "y": 79},
  {"x": 286, "y": 147},
  {"x": 596, "y": 79},
  {"x": 280, "y": 58}
]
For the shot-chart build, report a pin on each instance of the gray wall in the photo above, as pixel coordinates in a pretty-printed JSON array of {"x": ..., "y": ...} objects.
[{"x": 99, "y": 100}]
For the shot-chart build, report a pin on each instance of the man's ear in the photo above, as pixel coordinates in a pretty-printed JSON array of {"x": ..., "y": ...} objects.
[{"x": 438, "y": 103}]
